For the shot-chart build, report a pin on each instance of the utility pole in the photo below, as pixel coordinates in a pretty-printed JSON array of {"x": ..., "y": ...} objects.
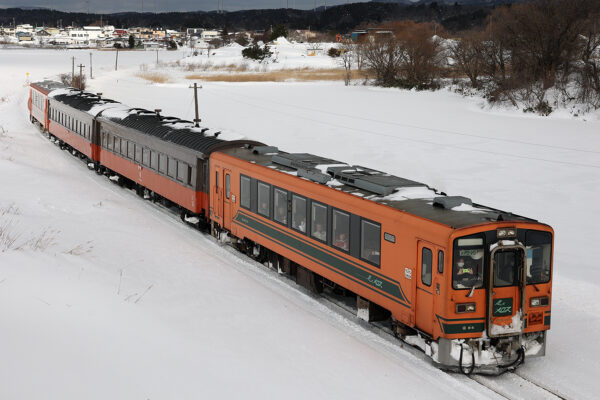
[
  {"x": 91, "y": 67},
  {"x": 117, "y": 60},
  {"x": 72, "y": 68},
  {"x": 156, "y": 56},
  {"x": 81, "y": 66},
  {"x": 197, "y": 119}
]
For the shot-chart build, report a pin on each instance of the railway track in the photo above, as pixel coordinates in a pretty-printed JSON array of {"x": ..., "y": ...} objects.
[{"x": 510, "y": 385}]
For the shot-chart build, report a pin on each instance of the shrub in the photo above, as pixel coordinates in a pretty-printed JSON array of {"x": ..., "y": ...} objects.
[
  {"x": 333, "y": 52},
  {"x": 255, "y": 52}
]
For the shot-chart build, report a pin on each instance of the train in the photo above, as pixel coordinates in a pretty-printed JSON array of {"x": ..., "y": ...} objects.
[{"x": 468, "y": 284}]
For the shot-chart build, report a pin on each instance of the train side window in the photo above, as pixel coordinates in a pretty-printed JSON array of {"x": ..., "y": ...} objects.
[
  {"x": 281, "y": 206},
  {"x": 117, "y": 145},
  {"x": 146, "y": 157},
  {"x": 131, "y": 150},
  {"x": 124, "y": 147},
  {"x": 245, "y": 191},
  {"x": 154, "y": 160},
  {"x": 109, "y": 139},
  {"x": 441, "y": 262},
  {"x": 138, "y": 153},
  {"x": 181, "y": 171},
  {"x": 318, "y": 221},
  {"x": 341, "y": 230},
  {"x": 426, "y": 266},
  {"x": 104, "y": 140},
  {"x": 370, "y": 242},
  {"x": 162, "y": 163},
  {"x": 189, "y": 175},
  {"x": 227, "y": 186},
  {"x": 299, "y": 213},
  {"x": 172, "y": 168},
  {"x": 264, "y": 199}
]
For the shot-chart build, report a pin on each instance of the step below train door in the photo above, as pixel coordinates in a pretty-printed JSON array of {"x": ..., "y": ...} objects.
[{"x": 506, "y": 291}]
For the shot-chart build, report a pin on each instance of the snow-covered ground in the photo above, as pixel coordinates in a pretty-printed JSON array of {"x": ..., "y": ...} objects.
[{"x": 110, "y": 297}]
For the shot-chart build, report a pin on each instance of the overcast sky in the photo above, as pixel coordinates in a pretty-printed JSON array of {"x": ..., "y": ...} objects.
[{"x": 109, "y": 6}]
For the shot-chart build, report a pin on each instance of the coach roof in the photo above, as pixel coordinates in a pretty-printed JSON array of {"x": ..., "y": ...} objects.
[{"x": 403, "y": 194}]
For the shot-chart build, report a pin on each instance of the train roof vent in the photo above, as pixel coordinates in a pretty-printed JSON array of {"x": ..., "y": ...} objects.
[
  {"x": 309, "y": 166},
  {"x": 449, "y": 202},
  {"x": 314, "y": 175},
  {"x": 305, "y": 161},
  {"x": 369, "y": 179},
  {"x": 265, "y": 150}
]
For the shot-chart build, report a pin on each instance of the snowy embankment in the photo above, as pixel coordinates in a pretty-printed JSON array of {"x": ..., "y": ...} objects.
[{"x": 123, "y": 301}]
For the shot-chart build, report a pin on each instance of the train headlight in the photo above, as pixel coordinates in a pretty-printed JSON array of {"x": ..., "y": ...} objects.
[
  {"x": 539, "y": 301},
  {"x": 504, "y": 233},
  {"x": 465, "y": 308}
]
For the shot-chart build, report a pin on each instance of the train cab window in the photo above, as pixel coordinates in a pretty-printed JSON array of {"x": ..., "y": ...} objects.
[
  {"x": 341, "y": 230},
  {"x": 146, "y": 157},
  {"x": 172, "y": 168},
  {"x": 538, "y": 246},
  {"x": 281, "y": 206},
  {"x": 299, "y": 213},
  {"x": 506, "y": 268},
  {"x": 245, "y": 192},
  {"x": 227, "y": 186},
  {"x": 318, "y": 221},
  {"x": 441, "y": 262},
  {"x": 370, "y": 242},
  {"x": 467, "y": 263},
  {"x": 426, "y": 266},
  {"x": 162, "y": 164},
  {"x": 264, "y": 199}
]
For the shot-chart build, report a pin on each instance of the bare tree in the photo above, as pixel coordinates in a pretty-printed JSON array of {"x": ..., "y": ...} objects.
[
  {"x": 346, "y": 59},
  {"x": 384, "y": 56},
  {"x": 468, "y": 54}
]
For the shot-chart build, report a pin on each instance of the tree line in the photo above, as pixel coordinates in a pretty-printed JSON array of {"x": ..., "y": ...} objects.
[{"x": 522, "y": 53}]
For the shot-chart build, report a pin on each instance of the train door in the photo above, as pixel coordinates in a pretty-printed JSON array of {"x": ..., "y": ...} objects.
[
  {"x": 218, "y": 194},
  {"x": 227, "y": 201},
  {"x": 506, "y": 291},
  {"x": 426, "y": 259}
]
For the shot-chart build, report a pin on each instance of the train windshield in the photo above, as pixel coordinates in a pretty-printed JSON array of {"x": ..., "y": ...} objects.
[
  {"x": 538, "y": 247},
  {"x": 467, "y": 269}
]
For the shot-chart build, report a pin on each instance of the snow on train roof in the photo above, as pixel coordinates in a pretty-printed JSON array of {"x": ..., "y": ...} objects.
[
  {"x": 169, "y": 129},
  {"x": 403, "y": 194}
]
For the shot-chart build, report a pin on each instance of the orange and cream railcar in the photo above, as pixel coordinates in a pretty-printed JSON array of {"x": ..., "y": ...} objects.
[{"x": 469, "y": 284}]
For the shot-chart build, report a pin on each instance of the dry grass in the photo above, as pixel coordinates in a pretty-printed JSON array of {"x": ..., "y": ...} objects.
[
  {"x": 301, "y": 75},
  {"x": 154, "y": 77}
]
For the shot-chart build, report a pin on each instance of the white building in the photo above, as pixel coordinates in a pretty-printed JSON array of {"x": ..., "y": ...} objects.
[{"x": 209, "y": 35}]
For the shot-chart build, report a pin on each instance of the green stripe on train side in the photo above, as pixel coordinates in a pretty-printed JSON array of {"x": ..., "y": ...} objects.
[{"x": 325, "y": 258}]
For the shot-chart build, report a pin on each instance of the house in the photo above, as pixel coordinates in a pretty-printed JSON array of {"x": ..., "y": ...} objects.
[
  {"x": 25, "y": 36},
  {"x": 209, "y": 35}
]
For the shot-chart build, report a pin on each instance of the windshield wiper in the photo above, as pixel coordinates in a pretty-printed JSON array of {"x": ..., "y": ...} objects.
[{"x": 471, "y": 292}]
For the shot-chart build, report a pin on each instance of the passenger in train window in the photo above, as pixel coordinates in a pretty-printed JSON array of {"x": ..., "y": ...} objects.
[
  {"x": 281, "y": 215},
  {"x": 319, "y": 232},
  {"x": 341, "y": 241}
]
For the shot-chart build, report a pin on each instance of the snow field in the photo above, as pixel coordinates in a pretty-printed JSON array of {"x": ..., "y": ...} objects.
[{"x": 152, "y": 309}]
